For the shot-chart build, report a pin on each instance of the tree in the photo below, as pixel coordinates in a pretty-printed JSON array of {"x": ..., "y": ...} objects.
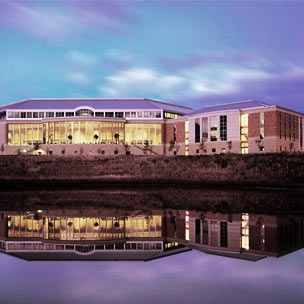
[
  {"x": 260, "y": 144},
  {"x": 202, "y": 145},
  {"x": 70, "y": 137},
  {"x": 229, "y": 143},
  {"x": 96, "y": 138},
  {"x": 173, "y": 146},
  {"x": 116, "y": 136},
  {"x": 147, "y": 146}
]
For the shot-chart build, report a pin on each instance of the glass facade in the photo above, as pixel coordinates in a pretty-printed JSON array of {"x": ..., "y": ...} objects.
[
  {"x": 83, "y": 228},
  {"x": 83, "y": 132},
  {"x": 140, "y": 133}
]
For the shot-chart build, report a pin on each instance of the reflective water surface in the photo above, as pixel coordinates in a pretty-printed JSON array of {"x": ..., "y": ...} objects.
[{"x": 87, "y": 252}]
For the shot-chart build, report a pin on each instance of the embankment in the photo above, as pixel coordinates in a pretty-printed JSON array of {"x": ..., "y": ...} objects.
[{"x": 228, "y": 170}]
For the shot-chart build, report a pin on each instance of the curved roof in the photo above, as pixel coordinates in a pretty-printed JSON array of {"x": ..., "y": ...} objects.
[{"x": 95, "y": 103}]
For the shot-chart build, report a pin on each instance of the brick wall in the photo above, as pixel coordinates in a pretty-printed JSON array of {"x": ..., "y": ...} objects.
[
  {"x": 254, "y": 125},
  {"x": 169, "y": 131},
  {"x": 271, "y": 123}
]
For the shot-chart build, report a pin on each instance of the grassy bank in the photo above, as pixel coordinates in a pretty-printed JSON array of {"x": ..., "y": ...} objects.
[{"x": 270, "y": 170}]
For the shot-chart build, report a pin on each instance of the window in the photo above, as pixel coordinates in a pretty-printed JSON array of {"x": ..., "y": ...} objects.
[
  {"x": 205, "y": 233},
  {"x": 69, "y": 114},
  {"x": 99, "y": 114},
  {"x": 35, "y": 115},
  {"x": 23, "y": 114},
  {"x": 109, "y": 114},
  {"x": 127, "y": 114},
  {"x": 205, "y": 128},
  {"x": 118, "y": 114},
  {"x": 174, "y": 133},
  {"x": 85, "y": 112},
  {"x": 59, "y": 114},
  {"x": 158, "y": 114},
  {"x": 197, "y": 130},
  {"x": 139, "y": 114},
  {"x": 224, "y": 235},
  {"x": 213, "y": 128},
  {"x": 223, "y": 128},
  {"x": 262, "y": 132},
  {"x": 49, "y": 114},
  {"x": 29, "y": 115},
  {"x": 197, "y": 231},
  {"x": 213, "y": 150},
  {"x": 16, "y": 114},
  {"x": 41, "y": 114},
  {"x": 146, "y": 114},
  {"x": 133, "y": 114},
  {"x": 197, "y": 151}
]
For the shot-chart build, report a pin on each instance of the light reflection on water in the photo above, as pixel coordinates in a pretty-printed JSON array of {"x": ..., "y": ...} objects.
[{"x": 234, "y": 256}]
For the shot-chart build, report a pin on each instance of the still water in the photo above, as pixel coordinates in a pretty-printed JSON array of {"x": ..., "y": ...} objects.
[{"x": 89, "y": 253}]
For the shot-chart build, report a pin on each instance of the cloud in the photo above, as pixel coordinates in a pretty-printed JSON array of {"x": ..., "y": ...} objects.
[
  {"x": 81, "y": 58},
  {"x": 185, "y": 83},
  {"x": 57, "y": 21},
  {"x": 78, "y": 78}
]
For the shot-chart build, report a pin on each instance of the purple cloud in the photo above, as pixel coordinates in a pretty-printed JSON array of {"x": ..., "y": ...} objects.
[{"x": 57, "y": 21}]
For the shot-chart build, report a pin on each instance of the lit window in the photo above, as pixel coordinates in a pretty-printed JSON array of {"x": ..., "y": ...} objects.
[{"x": 187, "y": 226}]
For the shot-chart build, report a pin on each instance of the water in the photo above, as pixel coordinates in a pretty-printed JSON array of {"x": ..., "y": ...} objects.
[{"x": 56, "y": 252}]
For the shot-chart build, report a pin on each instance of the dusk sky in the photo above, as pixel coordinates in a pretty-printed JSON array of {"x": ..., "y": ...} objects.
[{"x": 193, "y": 53}]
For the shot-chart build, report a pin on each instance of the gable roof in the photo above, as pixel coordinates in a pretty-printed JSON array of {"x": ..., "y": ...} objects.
[
  {"x": 240, "y": 105},
  {"x": 95, "y": 103}
]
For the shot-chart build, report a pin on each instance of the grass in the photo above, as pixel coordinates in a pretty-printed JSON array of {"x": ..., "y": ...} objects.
[{"x": 271, "y": 170}]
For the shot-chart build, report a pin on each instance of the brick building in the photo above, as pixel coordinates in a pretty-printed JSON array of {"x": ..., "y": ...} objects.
[{"x": 144, "y": 126}]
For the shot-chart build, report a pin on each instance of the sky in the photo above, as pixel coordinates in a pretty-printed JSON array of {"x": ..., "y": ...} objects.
[
  {"x": 191, "y": 277},
  {"x": 193, "y": 53}
]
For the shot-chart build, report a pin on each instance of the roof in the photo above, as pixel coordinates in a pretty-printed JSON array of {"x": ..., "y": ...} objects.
[
  {"x": 144, "y": 256},
  {"x": 240, "y": 105},
  {"x": 95, "y": 103}
]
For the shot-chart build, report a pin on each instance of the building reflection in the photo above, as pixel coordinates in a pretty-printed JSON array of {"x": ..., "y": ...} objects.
[{"x": 111, "y": 235}]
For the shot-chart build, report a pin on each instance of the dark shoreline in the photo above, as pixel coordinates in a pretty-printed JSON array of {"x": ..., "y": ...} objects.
[{"x": 12, "y": 185}]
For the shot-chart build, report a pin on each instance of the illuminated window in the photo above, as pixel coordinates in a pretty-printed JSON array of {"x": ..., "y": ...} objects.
[
  {"x": 262, "y": 134},
  {"x": 244, "y": 133},
  {"x": 187, "y": 226},
  {"x": 186, "y": 138},
  {"x": 245, "y": 231},
  {"x": 213, "y": 128}
]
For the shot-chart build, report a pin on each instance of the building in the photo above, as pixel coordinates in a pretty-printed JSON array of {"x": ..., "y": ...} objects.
[
  {"x": 145, "y": 126},
  {"x": 112, "y": 235}
]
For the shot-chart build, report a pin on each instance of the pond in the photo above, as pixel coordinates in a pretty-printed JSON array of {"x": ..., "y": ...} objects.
[{"x": 106, "y": 251}]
